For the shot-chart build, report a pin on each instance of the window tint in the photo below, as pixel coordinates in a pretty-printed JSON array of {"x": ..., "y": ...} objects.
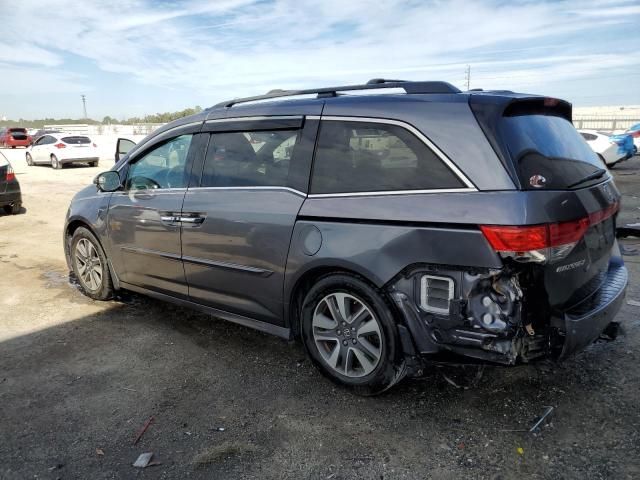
[
  {"x": 76, "y": 140},
  {"x": 47, "y": 140},
  {"x": 369, "y": 157},
  {"x": 162, "y": 167},
  {"x": 249, "y": 159},
  {"x": 588, "y": 136},
  {"x": 550, "y": 146}
]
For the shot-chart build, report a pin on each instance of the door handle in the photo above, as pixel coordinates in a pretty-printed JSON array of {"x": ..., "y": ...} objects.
[
  {"x": 170, "y": 219},
  {"x": 193, "y": 220}
]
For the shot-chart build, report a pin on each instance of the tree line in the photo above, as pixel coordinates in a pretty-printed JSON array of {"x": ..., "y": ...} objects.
[{"x": 107, "y": 120}]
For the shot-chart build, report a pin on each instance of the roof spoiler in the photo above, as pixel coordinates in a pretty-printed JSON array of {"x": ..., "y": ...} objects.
[
  {"x": 373, "y": 84},
  {"x": 539, "y": 106}
]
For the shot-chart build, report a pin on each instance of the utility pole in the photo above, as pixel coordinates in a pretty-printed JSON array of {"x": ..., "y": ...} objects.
[
  {"x": 467, "y": 76},
  {"x": 84, "y": 105}
]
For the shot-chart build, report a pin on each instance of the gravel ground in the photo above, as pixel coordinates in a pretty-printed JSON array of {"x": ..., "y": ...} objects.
[{"x": 78, "y": 379}]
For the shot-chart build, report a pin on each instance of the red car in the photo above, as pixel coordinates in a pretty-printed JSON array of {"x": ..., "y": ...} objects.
[{"x": 14, "y": 137}]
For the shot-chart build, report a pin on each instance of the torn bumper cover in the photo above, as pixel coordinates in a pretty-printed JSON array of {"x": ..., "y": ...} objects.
[
  {"x": 499, "y": 316},
  {"x": 584, "y": 323}
]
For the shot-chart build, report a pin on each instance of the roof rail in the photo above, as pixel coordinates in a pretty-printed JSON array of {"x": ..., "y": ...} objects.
[{"x": 373, "y": 84}]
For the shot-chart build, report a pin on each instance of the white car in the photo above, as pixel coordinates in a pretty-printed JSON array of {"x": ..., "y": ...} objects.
[
  {"x": 600, "y": 143},
  {"x": 58, "y": 149}
]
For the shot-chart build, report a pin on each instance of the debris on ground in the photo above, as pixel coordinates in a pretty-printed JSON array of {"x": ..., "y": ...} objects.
[
  {"x": 142, "y": 430},
  {"x": 100, "y": 452},
  {"x": 473, "y": 384},
  {"x": 547, "y": 412},
  {"x": 520, "y": 450},
  {"x": 144, "y": 460},
  {"x": 633, "y": 303},
  {"x": 220, "y": 453}
]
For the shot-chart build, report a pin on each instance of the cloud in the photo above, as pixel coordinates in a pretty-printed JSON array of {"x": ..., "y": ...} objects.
[
  {"x": 25, "y": 80},
  {"x": 24, "y": 53},
  {"x": 246, "y": 46}
]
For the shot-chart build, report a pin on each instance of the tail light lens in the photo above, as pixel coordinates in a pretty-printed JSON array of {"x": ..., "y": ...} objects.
[
  {"x": 542, "y": 243},
  {"x": 10, "y": 176},
  {"x": 60, "y": 145}
]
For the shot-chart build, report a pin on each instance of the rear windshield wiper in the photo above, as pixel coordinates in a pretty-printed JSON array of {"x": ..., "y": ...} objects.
[{"x": 592, "y": 176}]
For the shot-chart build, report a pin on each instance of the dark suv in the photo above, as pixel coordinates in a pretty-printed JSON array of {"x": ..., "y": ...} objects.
[{"x": 383, "y": 230}]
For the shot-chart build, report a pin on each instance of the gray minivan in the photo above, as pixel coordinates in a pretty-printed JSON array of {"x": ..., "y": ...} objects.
[{"x": 384, "y": 231}]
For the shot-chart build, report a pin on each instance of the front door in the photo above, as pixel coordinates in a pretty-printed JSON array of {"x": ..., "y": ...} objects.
[
  {"x": 144, "y": 218},
  {"x": 39, "y": 150},
  {"x": 252, "y": 186}
]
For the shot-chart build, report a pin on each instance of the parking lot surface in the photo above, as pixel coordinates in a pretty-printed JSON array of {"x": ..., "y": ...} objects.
[{"x": 79, "y": 379}]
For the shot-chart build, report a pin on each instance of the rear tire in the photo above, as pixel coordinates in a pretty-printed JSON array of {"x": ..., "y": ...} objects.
[
  {"x": 55, "y": 163},
  {"x": 14, "y": 209},
  {"x": 29, "y": 160},
  {"x": 90, "y": 265},
  {"x": 350, "y": 334}
]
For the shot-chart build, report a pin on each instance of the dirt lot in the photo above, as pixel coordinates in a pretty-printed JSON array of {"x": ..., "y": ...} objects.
[{"x": 79, "y": 378}]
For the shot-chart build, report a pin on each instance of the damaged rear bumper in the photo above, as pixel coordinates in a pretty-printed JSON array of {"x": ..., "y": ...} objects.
[
  {"x": 584, "y": 323},
  {"x": 520, "y": 328}
]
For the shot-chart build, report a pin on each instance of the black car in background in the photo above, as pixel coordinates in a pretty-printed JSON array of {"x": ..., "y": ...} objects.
[
  {"x": 385, "y": 231},
  {"x": 41, "y": 133},
  {"x": 10, "y": 196}
]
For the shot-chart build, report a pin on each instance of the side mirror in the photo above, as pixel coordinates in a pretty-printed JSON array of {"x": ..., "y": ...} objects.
[
  {"x": 123, "y": 146},
  {"x": 108, "y": 181}
]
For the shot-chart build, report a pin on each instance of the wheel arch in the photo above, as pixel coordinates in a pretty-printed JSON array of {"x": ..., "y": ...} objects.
[
  {"x": 312, "y": 275},
  {"x": 72, "y": 225}
]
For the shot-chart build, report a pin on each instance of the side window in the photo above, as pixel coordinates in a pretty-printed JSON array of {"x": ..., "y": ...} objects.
[
  {"x": 588, "y": 136},
  {"x": 41, "y": 141},
  {"x": 249, "y": 159},
  {"x": 162, "y": 167},
  {"x": 369, "y": 157}
]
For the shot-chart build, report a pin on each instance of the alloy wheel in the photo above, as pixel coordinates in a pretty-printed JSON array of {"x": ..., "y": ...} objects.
[
  {"x": 88, "y": 264},
  {"x": 347, "y": 335}
]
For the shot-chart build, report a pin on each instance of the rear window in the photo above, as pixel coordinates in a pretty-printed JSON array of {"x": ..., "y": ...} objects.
[
  {"x": 548, "y": 146},
  {"x": 76, "y": 140},
  {"x": 18, "y": 130},
  {"x": 356, "y": 157}
]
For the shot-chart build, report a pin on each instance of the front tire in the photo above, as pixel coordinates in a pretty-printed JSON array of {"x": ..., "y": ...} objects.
[
  {"x": 55, "y": 163},
  {"x": 29, "y": 160},
  {"x": 90, "y": 266},
  {"x": 350, "y": 334}
]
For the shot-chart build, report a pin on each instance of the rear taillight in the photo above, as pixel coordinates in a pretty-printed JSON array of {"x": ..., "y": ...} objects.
[
  {"x": 60, "y": 145},
  {"x": 11, "y": 176},
  {"x": 542, "y": 243}
]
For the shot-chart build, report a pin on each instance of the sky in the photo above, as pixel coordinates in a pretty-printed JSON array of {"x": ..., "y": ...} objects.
[{"x": 137, "y": 57}]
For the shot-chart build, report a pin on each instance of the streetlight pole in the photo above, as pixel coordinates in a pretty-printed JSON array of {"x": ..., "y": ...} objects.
[{"x": 84, "y": 105}]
